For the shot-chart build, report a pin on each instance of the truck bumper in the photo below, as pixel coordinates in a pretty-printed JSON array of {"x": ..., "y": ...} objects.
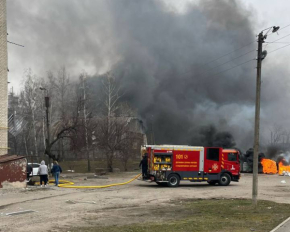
[{"x": 236, "y": 178}]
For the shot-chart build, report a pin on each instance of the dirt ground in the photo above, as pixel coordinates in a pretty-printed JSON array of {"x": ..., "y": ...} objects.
[{"x": 61, "y": 209}]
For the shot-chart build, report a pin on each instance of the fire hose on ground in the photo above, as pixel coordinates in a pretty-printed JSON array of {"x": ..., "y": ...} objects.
[{"x": 69, "y": 184}]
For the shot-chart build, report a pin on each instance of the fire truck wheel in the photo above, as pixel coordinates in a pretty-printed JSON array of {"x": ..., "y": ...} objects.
[
  {"x": 225, "y": 179},
  {"x": 212, "y": 182},
  {"x": 173, "y": 180}
]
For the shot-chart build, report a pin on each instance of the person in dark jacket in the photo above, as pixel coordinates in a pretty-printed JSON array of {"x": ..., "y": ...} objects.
[
  {"x": 144, "y": 164},
  {"x": 56, "y": 170},
  {"x": 28, "y": 171}
]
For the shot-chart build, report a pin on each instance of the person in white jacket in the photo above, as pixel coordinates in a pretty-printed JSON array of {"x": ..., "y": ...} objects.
[{"x": 43, "y": 173}]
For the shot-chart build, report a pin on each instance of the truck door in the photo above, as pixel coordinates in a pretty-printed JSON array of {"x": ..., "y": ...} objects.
[
  {"x": 212, "y": 160},
  {"x": 232, "y": 162}
]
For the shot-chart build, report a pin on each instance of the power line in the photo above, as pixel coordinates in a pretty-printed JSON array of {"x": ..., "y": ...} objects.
[
  {"x": 244, "y": 47},
  {"x": 234, "y": 59},
  {"x": 233, "y": 67},
  {"x": 242, "y": 54},
  {"x": 279, "y": 48},
  {"x": 249, "y": 52},
  {"x": 228, "y": 53},
  {"x": 277, "y": 39},
  {"x": 15, "y": 44},
  {"x": 247, "y": 61},
  {"x": 278, "y": 42},
  {"x": 253, "y": 50},
  {"x": 284, "y": 27}
]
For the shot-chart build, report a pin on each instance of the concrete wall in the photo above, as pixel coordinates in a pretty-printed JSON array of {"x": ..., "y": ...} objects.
[{"x": 3, "y": 80}]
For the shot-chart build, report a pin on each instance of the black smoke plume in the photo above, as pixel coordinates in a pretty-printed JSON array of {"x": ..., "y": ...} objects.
[
  {"x": 162, "y": 74},
  {"x": 208, "y": 136},
  {"x": 166, "y": 61},
  {"x": 283, "y": 160}
]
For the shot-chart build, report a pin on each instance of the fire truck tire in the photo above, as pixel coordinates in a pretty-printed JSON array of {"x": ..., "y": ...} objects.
[
  {"x": 225, "y": 179},
  {"x": 212, "y": 182},
  {"x": 173, "y": 180}
]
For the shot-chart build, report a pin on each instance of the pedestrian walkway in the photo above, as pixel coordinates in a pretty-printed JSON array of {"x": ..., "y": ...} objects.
[{"x": 283, "y": 227}]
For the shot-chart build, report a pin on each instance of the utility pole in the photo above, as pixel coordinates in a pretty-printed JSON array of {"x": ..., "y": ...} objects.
[
  {"x": 257, "y": 120},
  {"x": 47, "y": 105},
  {"x": 47, "y": 128},
  {"x": 260, "y": 56},
  {"x": 83, "y": 77}
]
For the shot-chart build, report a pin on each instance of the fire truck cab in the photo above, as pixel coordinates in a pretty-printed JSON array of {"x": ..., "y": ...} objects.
[{"x": 170, "y": 164}]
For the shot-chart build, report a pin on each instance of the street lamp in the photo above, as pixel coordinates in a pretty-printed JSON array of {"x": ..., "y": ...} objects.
[
  {"x": 47, "y": 105},
  {"x": 260, "y": 57}
]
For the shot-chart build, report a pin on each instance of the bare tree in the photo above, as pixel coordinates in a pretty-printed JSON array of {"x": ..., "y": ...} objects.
[
  {"x": 276, "y": 134},
  {"x": 30, "y": 102},
  {"x": 85, "y": 117},
  {"x": 112, "y": 135}
]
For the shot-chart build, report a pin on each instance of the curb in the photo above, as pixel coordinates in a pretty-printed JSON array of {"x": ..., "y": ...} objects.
[{"x": 281, "y": 224}]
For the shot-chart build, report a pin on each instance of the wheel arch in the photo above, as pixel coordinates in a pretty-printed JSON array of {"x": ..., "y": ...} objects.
[
  {"x": 227, "y": 172},
  {"x": 174, "y": 173}
]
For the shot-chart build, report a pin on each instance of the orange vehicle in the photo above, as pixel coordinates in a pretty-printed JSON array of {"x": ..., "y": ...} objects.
[{"x": 170, "y": 164}]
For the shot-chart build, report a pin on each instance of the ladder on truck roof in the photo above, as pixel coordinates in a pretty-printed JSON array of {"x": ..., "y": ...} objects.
[{"x": 175, "y": 147}]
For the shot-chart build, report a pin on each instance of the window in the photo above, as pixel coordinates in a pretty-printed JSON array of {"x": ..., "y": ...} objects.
[
  {"x": 213, "y": 154},
  {"x": 232, "y": 157}
]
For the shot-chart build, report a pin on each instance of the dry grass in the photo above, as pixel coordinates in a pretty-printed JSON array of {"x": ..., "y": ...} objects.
[{"x": 222, "y": 215}]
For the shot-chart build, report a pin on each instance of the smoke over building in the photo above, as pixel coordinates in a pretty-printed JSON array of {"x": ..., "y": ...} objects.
[{"x": 167, "y": 62}]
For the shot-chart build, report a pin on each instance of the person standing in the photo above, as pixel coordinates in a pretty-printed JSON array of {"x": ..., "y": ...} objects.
[
  {"x": 144, "y": 164},
  {"x": 55, "y": 171},
  {"x": 43, "y": 173}
]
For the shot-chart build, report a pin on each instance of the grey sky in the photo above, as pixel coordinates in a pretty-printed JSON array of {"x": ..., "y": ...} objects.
[{"x": 265, "y": 13}]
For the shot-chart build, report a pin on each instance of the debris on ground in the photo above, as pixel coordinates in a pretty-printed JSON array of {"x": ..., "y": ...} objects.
[
  {"x": 75, "y": 202},
  {"x": 283, "y": 182},
  {"x": 20, "y": 212},
  {"x": 285, "y": 173}
]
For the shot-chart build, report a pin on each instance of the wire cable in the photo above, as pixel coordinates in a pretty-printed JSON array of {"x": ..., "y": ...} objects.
[
  {"x": 268, "y": 43},
  {"x": 247, "y": 61},
  {"x": 282, "y": 28},
  {"x": 249, "y": 51},
  {"x": 243, "y": 47},
  {"x": 233, "y": 59},
  {"x": 15, "y": 44},
  {"x": 277, "y": 40},
  {"x": 279, "y": 48},
  {"x": 232, "y": 67},
  {"x": 228, "y": 53}
]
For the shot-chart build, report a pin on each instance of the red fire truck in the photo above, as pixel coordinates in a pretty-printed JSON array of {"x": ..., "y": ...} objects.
[{"x": 169, "y": 164}]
